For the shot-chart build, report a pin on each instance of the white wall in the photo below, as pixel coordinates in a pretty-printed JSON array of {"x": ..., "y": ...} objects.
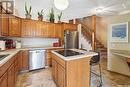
[{"x": 36, "y": 42}]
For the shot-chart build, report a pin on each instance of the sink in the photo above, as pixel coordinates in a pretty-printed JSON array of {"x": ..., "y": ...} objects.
[{"x": 3, "y": 56}]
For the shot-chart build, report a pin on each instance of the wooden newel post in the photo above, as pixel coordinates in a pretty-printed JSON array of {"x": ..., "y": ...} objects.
[{"x": 94, "y": 32}]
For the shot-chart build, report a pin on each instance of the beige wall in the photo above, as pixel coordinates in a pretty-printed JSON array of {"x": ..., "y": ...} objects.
[
  {"x": 118, "y": 63},
  {"x": 114, "y": 20}
]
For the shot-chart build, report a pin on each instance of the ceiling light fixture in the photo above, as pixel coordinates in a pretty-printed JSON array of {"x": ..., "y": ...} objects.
[
  {"x": 99, "y": 10},
  {"x": 61, "y": 4}
]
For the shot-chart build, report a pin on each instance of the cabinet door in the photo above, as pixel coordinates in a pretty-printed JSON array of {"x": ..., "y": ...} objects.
[
  {"x": 61, "y": 76},
  {"x": 51, "y": 30},
  {"x": 14, "y": 26},
  {"x": 44, "y": 29},
  {"x": 4, "y": 80},
  {"x": 69, "y": 26},
  {"x": 4, "y": 22},
  {"x": 11, "y": 76},
  {"x": 59, "y": 32},
  {"x": 25, "y": 60},
  {"x": 39, "y": 30},
  {"x": 54, "y": 70},
  {"x": 28, "y": 28}
]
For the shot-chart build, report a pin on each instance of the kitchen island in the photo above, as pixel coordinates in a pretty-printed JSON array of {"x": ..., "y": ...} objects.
[{"x": 72, "y": 71}]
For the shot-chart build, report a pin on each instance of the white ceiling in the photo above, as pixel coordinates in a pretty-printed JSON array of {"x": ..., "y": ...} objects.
[{"x": 77, "y": 8}]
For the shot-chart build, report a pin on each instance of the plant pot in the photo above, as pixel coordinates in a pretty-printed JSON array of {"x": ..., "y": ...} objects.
[
  {"x": 40, "y": 18},
  {"x": 28, "y": 16},
  {"x": 59, "y": 22},
  {"x": 52, "y": 20}
]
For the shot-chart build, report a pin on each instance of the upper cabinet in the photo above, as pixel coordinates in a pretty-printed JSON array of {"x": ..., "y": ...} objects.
[
  {"x": 14, "y": 26},
  {"x": 70, "y": 26},
  {"x": 28, "y": 28},
  {"x": 4, "y": 25}
]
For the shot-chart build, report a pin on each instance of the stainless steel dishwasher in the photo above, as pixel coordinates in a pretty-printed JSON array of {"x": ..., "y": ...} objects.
[{"x": 36, "y": 59}]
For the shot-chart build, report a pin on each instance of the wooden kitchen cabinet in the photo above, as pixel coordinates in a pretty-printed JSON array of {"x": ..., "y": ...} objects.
[
  {"x": 25, "y": 60},
  {"x": 59, "y": 31},
  {"x": 4, "y": 80},
  {"x": 71, "y": 73},
  {"x": 28, "y": 28},
  {"x": 54, "y": 70},
  {"x": 11, "y": 76},
  {"x": 4, "y": 25},
  {"x": 39, "y": 29},
  {"x": 58, "y": 71},
  {"x": 69, "y": 26},
  {"x": 61, "y": 76},
  {"x": 14, "y": 26},
  {"x": 51, "y": 30}
]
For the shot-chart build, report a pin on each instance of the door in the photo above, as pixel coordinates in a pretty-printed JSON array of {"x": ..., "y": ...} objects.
[
  {"x": 61, "y": 76},
  {"x": 54, "y": 70},
  {"x": 36, "y": 59},
  {"x": 4, "y": 80},
  {"x": 4, "y": 20},
  {"x": 25, "y": 60},
  {"x": 14, "y": 26},
  {"x": 11, "y": 76},
  {"x": 28, "y": 28}
]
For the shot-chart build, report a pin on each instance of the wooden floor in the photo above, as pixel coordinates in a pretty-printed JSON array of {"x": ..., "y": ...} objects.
[{"x": 43, "y": 78}]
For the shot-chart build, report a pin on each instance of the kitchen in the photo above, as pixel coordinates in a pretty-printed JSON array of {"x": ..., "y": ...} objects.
[{"x": 48, "y": 51}]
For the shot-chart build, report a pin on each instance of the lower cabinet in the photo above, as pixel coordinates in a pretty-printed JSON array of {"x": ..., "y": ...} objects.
[
  {"x": 4, "y": 80},
  {"x": 61, "y": 76},
  {"x": 11, "y": 75},
  {"x": 71, "y": 73},
  {"x": 25, "y": 60},
  {"x": 58, "y": 73},
  {"x": 10, "y": 70}
]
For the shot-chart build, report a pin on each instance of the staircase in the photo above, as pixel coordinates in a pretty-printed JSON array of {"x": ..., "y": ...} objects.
[{"x": 87, "y": 34}]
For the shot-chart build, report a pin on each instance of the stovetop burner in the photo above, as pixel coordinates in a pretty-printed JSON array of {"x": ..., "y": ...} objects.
[{"x": 67, "y": 53}]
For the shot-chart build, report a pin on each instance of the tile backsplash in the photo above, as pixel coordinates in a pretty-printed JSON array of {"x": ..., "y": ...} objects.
[{"x": 36, "y": 42}]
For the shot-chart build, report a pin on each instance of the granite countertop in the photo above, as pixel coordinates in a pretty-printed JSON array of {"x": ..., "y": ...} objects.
[
  {"x": 85, "y": 54},
  {"x": 12, "y": 52},
  {"x": 43, "y": 47},
  {"x": 123, "y": 53}
]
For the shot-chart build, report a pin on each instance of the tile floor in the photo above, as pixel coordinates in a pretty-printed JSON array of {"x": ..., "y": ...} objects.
[{"x": 43, "y": 78}]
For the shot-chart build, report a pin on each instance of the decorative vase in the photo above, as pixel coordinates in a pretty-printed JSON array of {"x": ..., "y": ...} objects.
[
  {"x": 52, "y": 20},
  {"x": 40, "y": 18},
  {"x": 28, "y": 16}
]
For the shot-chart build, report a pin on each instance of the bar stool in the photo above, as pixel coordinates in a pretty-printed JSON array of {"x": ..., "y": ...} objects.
[{"x": 95, "y": 60}]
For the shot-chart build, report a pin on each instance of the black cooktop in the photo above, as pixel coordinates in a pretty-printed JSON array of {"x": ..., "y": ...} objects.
[{"x": 67, "y": 53}]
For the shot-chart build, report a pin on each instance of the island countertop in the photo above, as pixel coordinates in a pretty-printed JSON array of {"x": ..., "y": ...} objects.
[{"x": 85, "y": 54}]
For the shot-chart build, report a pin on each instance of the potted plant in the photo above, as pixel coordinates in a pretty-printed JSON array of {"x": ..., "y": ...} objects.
[
  {"x": 40, "y": 15},
  {"x": 59, "y": 17},
  {"x": 52, "y": 16},
  {"x": 28, "y": 12}
]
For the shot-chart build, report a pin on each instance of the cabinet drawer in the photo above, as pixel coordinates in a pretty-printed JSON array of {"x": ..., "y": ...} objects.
[{"x": 59, "y": 60}]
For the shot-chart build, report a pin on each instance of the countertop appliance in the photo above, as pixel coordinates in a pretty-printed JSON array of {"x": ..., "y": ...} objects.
[
  {"x": 71, "y": 39},
  {"x": 2, "y": 45},
  {"x": 36, "y": 59},
  {"x": 68, "y": 53},
  {"x": 9, "y": 43}
]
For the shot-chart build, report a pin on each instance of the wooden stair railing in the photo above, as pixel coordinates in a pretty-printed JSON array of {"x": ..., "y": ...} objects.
[{"x": 88, "y": 33}]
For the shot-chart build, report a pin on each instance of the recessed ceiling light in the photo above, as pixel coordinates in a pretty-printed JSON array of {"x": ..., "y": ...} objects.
[{"x": 99, "y": 10}]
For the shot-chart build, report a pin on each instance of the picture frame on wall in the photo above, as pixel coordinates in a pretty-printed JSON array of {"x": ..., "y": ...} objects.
[{"x": 119, "y": 32}]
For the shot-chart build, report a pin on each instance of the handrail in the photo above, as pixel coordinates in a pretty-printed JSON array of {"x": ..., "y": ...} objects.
[{"x": 88, "y": 33}]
